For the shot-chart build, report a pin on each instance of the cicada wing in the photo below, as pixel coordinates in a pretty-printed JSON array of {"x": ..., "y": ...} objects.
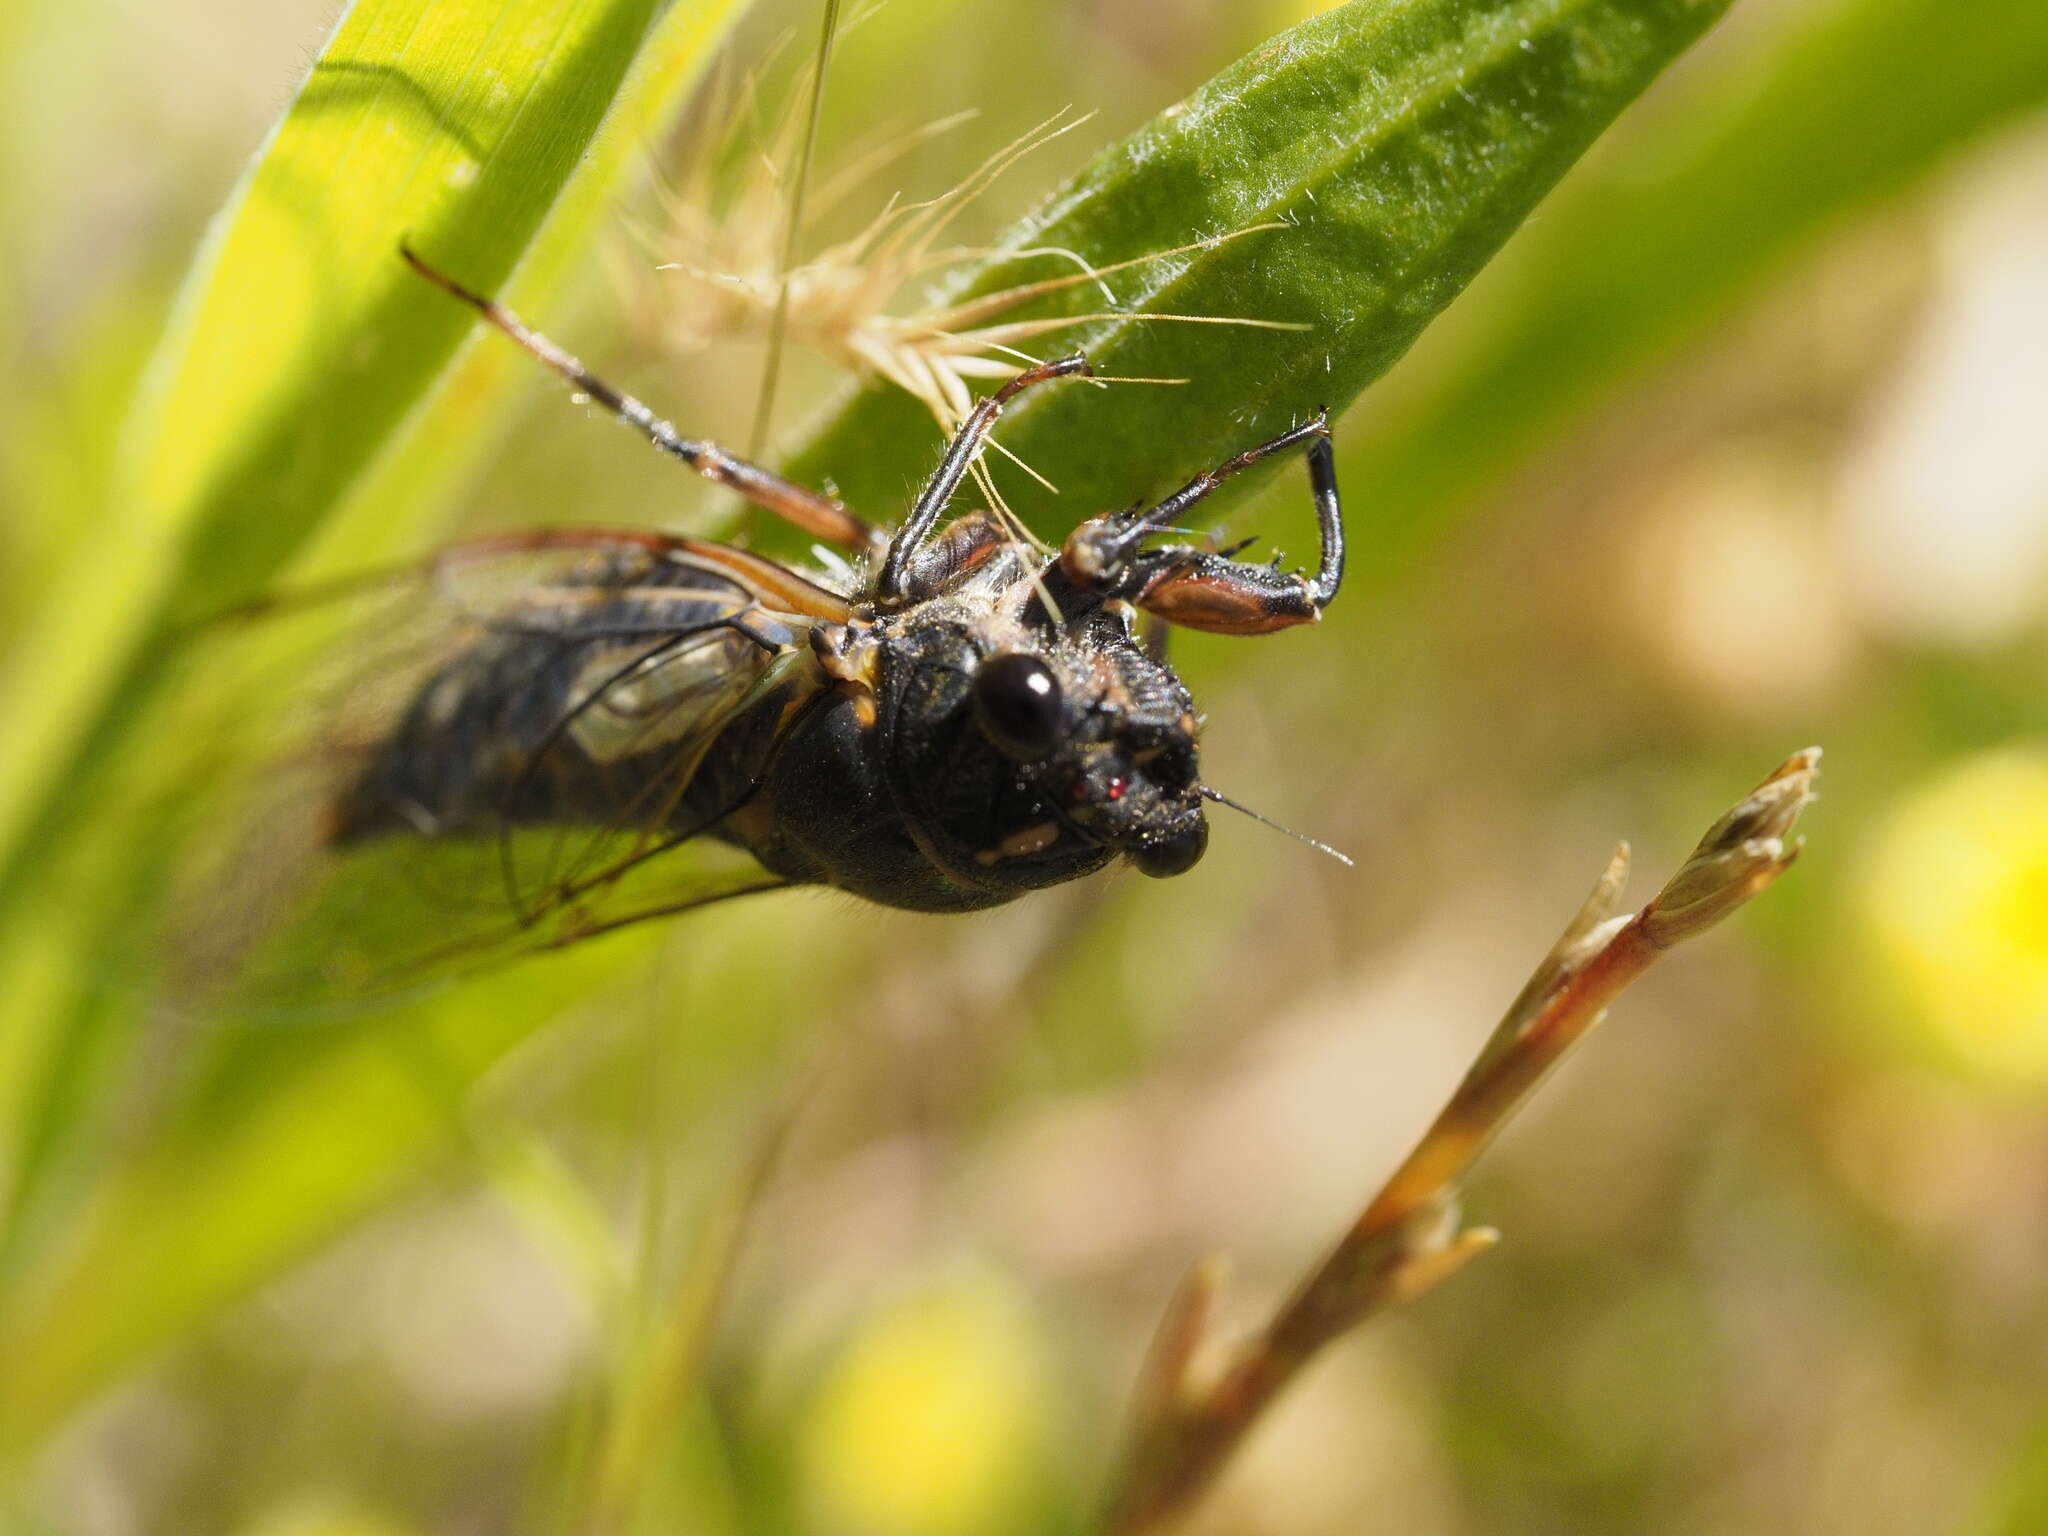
[
  {"x": 384, "y": 924},
  {"x": 521, "y": 755},
  {"x": 550, "y": 579}
]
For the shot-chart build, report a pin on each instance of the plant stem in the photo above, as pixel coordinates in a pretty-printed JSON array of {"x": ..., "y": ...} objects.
[{"x": 1409, "y": 1239}]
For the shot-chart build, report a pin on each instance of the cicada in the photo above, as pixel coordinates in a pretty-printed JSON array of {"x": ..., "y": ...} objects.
[{"x": 958, "y": 717}]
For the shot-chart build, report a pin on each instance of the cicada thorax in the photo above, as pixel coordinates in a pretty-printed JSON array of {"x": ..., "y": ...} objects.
[{"x": 895, "y": 794}]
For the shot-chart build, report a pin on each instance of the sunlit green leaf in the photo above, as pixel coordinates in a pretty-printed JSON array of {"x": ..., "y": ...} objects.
[
  {"x": 1402, "y": 143},
  {"x": 300, "y": 343}
]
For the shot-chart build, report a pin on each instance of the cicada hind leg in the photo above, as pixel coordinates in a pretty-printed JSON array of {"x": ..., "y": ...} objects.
[{"x": 810, "y": 511}]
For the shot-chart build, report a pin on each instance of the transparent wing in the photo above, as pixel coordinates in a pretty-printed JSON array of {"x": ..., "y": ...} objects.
[
  {"x": 523, "y": 746},
  {"x": 378, "y": 926}
]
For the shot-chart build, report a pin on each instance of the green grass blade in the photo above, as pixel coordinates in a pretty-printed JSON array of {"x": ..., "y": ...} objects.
[
  {"x": 300, "y": 343},
  {"x": 294, "y": 1132},
  {"x": 1404, "y": 141},
  {"x": 49, "y": 953},
  {"x": 389, "y": 513},
  {"x": 290, "y": 1133},
  {"x": 71, "y": 1016}
]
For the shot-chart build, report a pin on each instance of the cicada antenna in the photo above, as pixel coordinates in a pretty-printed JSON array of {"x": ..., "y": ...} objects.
[{"x": 1220, "y": 798}]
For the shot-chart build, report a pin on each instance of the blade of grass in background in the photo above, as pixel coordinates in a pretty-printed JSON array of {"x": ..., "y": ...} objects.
[
  {"x": 385, "y": 515},
  {"x": 65, "y": 1032},
  {"x": 298, "y": 347},
  {"x": 49, "y": 951},
  {"x": 300, "y": 344},
  {"x": 1744, "y": 167},
  {"x": 1403, "y": 141},
  {"x": 292, "y": 1133}
]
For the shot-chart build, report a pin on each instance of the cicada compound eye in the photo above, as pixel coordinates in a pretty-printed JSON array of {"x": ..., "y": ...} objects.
[
  {"x": 1017, "y": 701},
  {"x": 1174, "y": 854}
]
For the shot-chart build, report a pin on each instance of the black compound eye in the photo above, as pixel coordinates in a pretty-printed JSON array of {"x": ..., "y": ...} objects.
[
  {"x": 1175, "y": 854},
  {"x": 1017, "y": 700}
]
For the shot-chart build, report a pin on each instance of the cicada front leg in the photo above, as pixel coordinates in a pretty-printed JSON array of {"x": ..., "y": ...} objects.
[
  {"x": 896, "y": 585},
  {"x": 1208, "y": 589}
]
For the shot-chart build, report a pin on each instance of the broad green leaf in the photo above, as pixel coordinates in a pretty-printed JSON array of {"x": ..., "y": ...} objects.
[
  {"x": 1402, "y": 141},
  {"x": 1741, "y": 170}
]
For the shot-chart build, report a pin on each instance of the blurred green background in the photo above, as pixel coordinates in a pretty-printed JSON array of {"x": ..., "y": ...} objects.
[{"x": 803, "y": 1216}]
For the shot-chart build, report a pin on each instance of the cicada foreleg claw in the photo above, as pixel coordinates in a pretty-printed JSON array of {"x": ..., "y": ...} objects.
[{"x": 1209, "y": 589}]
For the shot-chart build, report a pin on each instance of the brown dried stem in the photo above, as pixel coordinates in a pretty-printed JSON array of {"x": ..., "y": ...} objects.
[{"x": 1409, "y": 1239}]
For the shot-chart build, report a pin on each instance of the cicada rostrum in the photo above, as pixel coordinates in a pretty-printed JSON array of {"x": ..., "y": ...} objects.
[{"x": 961, "y": 716}]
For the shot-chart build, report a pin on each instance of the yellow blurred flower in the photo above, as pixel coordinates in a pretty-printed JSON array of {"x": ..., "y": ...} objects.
[
  {"x": 316, "y": 1517},
  {"x": 933, "y": 1419},
  {"x": 1957, "y": 895}
]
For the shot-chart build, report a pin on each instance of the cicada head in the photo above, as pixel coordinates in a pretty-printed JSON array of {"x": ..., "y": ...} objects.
[{"x": 1035, "y": 754}]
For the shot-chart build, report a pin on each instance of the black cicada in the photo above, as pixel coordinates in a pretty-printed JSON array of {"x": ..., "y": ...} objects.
[{"x": 966, "y": 719}]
